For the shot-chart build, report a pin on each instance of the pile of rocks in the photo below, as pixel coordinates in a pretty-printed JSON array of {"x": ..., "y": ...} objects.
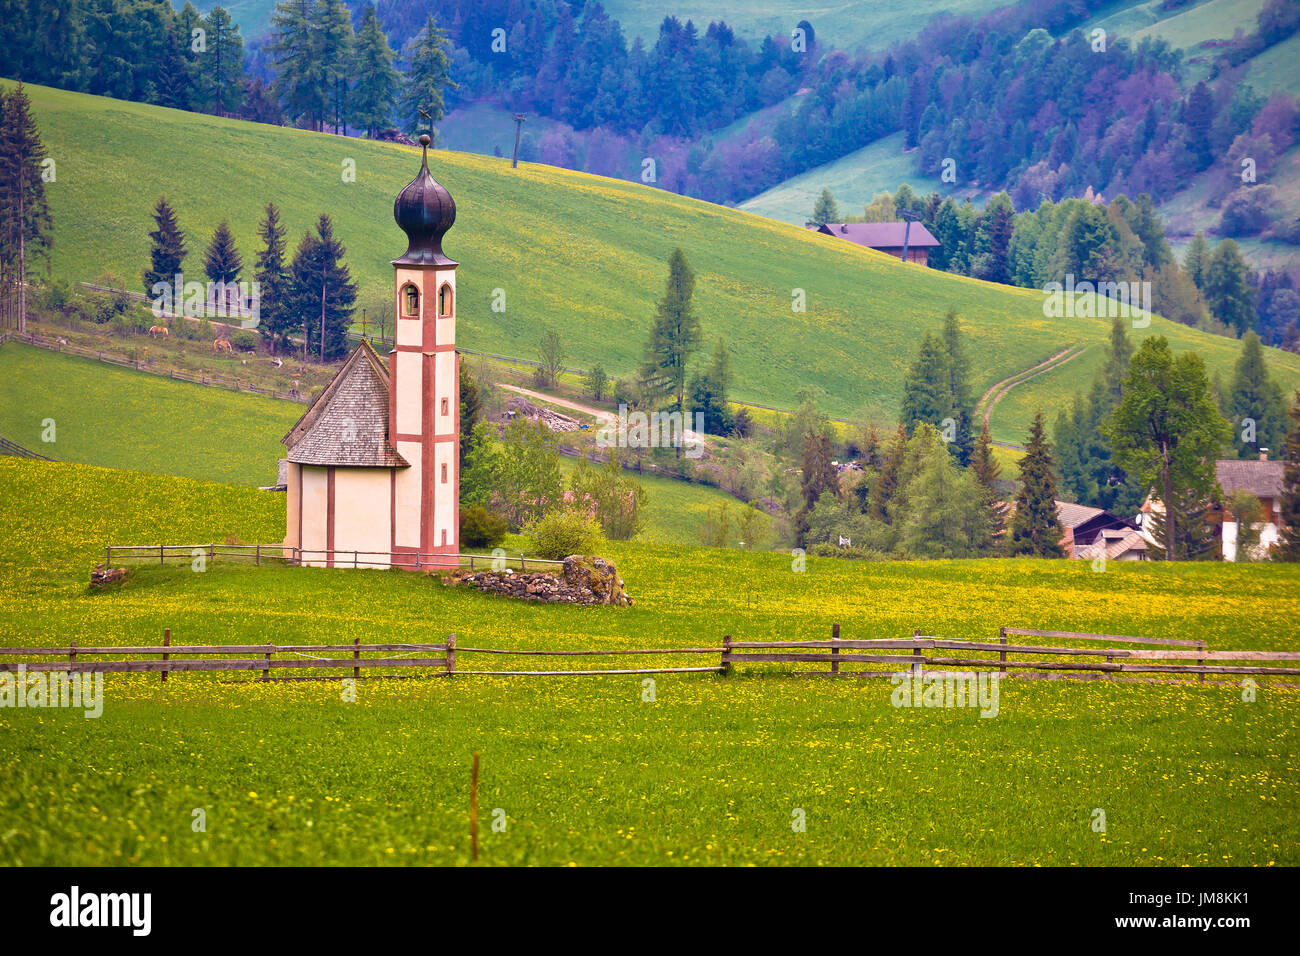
[
  {"x": 582, "y": 580},
  {"x": 522, "y": 407},
  {"x": 101, "y": 576}
]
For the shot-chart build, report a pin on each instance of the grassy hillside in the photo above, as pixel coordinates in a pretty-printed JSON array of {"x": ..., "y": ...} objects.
[
  {"x": 120, "y": 418},
  {"x": 853, "y": 180},
  {"x": 581, "y": 254},
  {"x": 585, "y": 770}
]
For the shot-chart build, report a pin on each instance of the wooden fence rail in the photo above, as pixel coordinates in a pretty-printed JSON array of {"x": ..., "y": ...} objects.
[
  {"x": 915, "y": 653},
  {"x": 330, "y": 557}
]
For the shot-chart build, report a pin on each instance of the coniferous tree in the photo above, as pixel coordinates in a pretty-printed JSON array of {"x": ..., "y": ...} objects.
[
  {"x": 963, "y": 401},
  {"x": 825, "y": 209},
  {"x": 1195, "y": 259},
  {"x": 427, "y": 77},
  {"x": 1167, "y": 431},
  {"x": 884, "y": 490},
  {"x": 167, "y": 253},
  {"x": 221, "y": 66},
  {"x": 374, "y": 97},
  {"x": 333, "y": 43},
  {"x": 223, "y": 262},
  {"x": 1195, "y": 537},
  {"x": 817, "y": 475},
  {"x": 987, "y": 471},
  {"x": 25, "y": 225},
  {"x": 1227, "y": 288},
  {"x": 709, "y": 392},
  {"x": 927, "y": 386},
  {"x": 1255, "y": 404},
  {"x": 275, "y": 319},
  {"x": 675, "y": 336},
  {"x": 299, "y": 75},
  {"x": 947, "y": 513},
  {"x": 321, "y": 291},
  {"x": 1035, "y": 527},
  {"x": 1288, "y": 546}
]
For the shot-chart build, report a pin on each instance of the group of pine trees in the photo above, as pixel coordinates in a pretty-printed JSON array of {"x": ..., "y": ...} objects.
[
  {"x": 310, "y": 297},
  {"x": 25, "y": 226}
]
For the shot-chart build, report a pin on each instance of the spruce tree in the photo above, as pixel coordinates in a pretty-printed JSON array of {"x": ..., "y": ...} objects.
[
  {"x": 963, "y": 401},
  {"x": 167, "y": 253},
  {"x": 276, "y": 321},
  {"x": 299, "y": 76},
  {"x": 947, "y": 513},
  {"x": 1288, "y": 547},
  {"x": 1195, "y": 537},
  {"x": 427, "y": 77},
  {"x": 1119, "y": 352},
  {"x": 321, "y": 291},
  {"x": 675, "y": 335},
  {"x": 25, "y": 225},
  {"x": 885, "y": 488},
  {"x": 1228, "y": 295},
  {"x": 987, "y": 472},
  {"x": 374, "y": 97},
  {"x": 222, "y": 66},
  {"x": 333, "y": 43},
  {"x": 825, "y": 209},
  {"x": 1035, "y": 527},
  {"x": 1255, "y": 404},
  {"x": 1194, "y": 259},
  {"x": 927, "y": 386},
  {"x": 222, "y": 262}
]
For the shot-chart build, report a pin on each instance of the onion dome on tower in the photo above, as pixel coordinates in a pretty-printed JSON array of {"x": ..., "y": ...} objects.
[{"x": 425, "y": 211}]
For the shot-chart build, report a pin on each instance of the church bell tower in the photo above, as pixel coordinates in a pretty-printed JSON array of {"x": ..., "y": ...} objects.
[{"x": 424, "y": 378}]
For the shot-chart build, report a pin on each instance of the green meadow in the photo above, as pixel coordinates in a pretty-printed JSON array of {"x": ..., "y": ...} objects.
[
  {"x": 587, "y": 770},
  {"x": 580, "y": 254}
]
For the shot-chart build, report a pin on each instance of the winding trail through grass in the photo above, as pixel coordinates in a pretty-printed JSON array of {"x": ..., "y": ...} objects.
[{"x": 997, "y": 392}]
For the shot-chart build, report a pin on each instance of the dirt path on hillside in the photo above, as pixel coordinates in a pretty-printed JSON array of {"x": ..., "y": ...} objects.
[
  {"x": 600, "y": 414},
  {"x": 999, "y": 391}
]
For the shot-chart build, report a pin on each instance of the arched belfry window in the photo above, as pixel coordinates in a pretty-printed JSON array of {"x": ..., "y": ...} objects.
[
  {"x": 410, "y": 301},
  {"x": 445, "y": 303}
]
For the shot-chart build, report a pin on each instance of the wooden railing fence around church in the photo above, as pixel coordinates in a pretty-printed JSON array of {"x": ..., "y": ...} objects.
[
  {"x": 260, "y": 554},
  {"x": 1161, "y": 659}
]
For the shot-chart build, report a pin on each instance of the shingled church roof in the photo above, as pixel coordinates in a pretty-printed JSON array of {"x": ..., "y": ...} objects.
[{"x": 348, "y": 423}]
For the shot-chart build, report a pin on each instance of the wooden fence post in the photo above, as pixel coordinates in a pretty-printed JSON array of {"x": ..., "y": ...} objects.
[
  {"x": 835, "y": 651},
  {"x": 160, "y": 554},
  {"x": 266, "y": 672},
  {"x": 1200, "y": 646},
  {"x": 167, "y": 640},
  {"x": 108, "y": 556},
  {"x": 1002, "y": 655},
  {"x": 257, "y": 556},
  {"x": 916, "y": 651},
  {"x": 726, "y": 654},
  {"x": 356, "y": 656},
  {"x": 473, "y": 808},
  {"x": 451, "y": 654},
  {"x": 72, "y": 655}
]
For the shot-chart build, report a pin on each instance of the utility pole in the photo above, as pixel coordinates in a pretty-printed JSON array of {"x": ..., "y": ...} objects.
[
  {"x": 519, "y": 125},
  {"x": 909, "y": 217}
]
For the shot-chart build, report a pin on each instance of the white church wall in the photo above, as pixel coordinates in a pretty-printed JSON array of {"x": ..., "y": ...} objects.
[
  {"x": 315, "y": 514},
  {"x": 410, "y": 389},
  {"x": 362, "y": 515}
]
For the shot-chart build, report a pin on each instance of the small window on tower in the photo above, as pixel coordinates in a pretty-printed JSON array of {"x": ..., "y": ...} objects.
[
  {"x": 445, "y": 301},
  {"x": 410, "y": 301},
  {"x": 444, "y": 406},
  {"x": 444, "y": 537},
  {"x": 444, "y": 474}
]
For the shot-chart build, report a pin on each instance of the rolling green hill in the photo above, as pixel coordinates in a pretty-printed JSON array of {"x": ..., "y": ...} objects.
[{"x": 576, "y": 253}]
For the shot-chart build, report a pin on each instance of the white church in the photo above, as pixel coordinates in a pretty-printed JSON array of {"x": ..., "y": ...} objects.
[{"x": 373, "y": 475}]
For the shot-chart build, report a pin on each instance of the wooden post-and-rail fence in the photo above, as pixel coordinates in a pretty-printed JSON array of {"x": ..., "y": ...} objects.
[
  {"x": 259, "y": 554},
  {"x": 1141, "y": 655}
]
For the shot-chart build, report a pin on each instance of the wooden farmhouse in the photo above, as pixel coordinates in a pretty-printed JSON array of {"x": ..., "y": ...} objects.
[
  {"x": 373, "y": 474},
  {"x": 887, "y": 237},
  {"x": 1261, "y": 478}
]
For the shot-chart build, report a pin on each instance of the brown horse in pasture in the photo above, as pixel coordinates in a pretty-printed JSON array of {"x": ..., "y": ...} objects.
[
  {"x": 221, "y": 345},
  {"x": 157, "y": 331}
]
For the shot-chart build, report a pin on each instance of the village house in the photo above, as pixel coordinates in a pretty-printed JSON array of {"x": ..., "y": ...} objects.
[
  {"x": 1091, "y": 532},
  {"x": 1261, "y": 478},
  {"x": 372, "y": 475},
  {"x": 887, "y": 237}
]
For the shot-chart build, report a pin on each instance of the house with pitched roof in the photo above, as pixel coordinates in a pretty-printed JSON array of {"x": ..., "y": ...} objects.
[
  {"x": 1261, "y": 478},
  {"x": 372, "y": 474},
  {"x": 887, "y": 237}
]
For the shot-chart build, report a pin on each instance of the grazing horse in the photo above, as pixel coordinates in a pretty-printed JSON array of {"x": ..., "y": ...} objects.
[
  {"x": 221, "y": 345},
  {"x": 157, "y": 331},
  {"x": 277, "y": 361}
]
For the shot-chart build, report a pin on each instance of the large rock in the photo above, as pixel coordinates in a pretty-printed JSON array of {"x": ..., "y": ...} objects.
[{"x": 582, "y": 579}]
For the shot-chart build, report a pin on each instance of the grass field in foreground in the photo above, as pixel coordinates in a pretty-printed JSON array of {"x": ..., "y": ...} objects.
[{"x": 584, "y": 770}]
